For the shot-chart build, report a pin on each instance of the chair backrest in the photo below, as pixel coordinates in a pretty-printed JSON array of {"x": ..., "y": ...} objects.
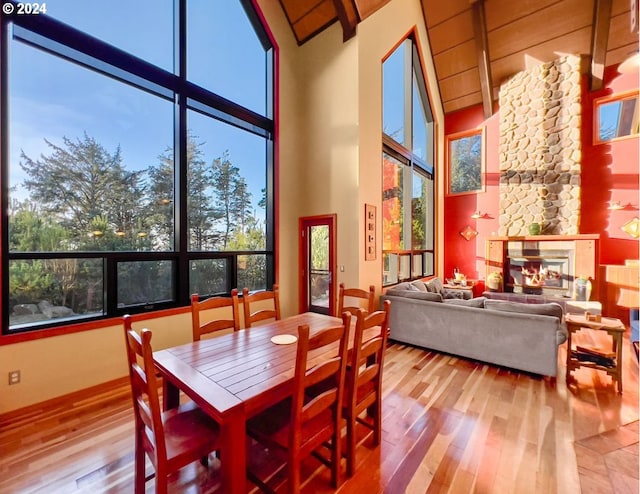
[
  {"x": 200, "y": 328},
  {"x": 365, "y": 295},
  {"x": 367, "y": 355},
  {"x": 260, "y": 314},
  {"x": 144, "y": 387},
  {"x": 308, "y": 403}
]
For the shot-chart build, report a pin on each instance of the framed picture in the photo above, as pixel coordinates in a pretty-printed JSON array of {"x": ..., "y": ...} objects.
[
  {"x": 465, "y": 162},
  {"x": 369, "y": 232}
]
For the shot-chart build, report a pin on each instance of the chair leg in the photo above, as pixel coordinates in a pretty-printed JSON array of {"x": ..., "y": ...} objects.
[
  {"x": 336, "y": 458},
  {"x": 293, "y": 473},
  {"x": 351, "y": 445},
  {"x": 139, "y": 468},
  {"x": 377, "y": 422},
  {"x": 161, "y": 479}
]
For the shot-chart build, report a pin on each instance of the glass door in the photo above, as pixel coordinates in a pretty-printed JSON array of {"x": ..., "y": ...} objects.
[{"x": 318, "y": 258}]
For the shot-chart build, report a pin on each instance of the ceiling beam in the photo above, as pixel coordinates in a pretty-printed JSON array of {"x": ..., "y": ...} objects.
[
  {"x": 349, "y": 18},
  {"x": 599, "y": 41},
  {"x": 482, "y": 50}
]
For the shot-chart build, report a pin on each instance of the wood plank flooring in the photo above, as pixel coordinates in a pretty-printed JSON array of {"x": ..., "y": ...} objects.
[{"x": 451, "y": 425}]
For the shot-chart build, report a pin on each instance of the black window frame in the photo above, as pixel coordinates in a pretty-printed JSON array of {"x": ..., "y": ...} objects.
[
  {"x": 412, "y": 162},
  {"x": 75, "y": 46}
]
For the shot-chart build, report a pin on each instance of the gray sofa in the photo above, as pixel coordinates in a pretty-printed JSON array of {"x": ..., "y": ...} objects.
[{"x": 516, "y": 335}]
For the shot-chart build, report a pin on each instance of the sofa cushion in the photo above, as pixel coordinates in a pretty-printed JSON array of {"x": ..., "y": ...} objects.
[
  {"x": 472, "y": 302},
  {"x": 548, "y": 309},
  {"x": 419, "y": 284},
  {"x": 430, "y": 297},
  {"x": 417, "y": 294},
  {"x": 434, "y": 285}
]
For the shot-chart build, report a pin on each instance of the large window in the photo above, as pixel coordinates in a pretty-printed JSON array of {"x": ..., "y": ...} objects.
[
  {"x": 139, "y": 158},
  {"x": 407, "y": 167}
]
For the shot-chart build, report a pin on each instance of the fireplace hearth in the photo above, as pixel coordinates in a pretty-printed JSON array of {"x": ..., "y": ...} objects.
[{"x": 543, "y": 264}]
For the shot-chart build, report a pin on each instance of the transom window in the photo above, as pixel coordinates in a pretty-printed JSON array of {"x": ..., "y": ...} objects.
[
  {"x": 407, "y": 167},
  {"x": 139, "y": 161}
]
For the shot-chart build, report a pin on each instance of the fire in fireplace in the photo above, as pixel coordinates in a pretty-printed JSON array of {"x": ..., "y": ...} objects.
[
  {"x": 534, "y": 274},
  {"x": 539, "y": 276}
]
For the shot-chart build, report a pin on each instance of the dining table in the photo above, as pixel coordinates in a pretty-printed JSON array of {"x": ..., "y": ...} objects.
[{"x": 234, "y": 376}]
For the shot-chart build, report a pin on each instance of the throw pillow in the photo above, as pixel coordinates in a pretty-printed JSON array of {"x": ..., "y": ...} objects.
[
  {"x": 401, "y": 289},
  {"x": 401, "y": 286},
  {"x": 419, "y": 284},
  {"x": 472, "y": 302},
  {"x": 434, "y": 285},
  {"x": 548, "y": 309}
]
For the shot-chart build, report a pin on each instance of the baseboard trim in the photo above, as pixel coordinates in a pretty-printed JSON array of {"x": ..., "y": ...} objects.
[{"x": 82, "y": 394}]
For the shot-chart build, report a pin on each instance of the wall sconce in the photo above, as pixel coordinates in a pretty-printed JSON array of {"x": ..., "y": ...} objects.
[
  {"x": 477, "y": 215},
  {"x": 616, "y": 206}
]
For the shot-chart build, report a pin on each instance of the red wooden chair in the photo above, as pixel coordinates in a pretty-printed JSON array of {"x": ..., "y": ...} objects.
[
  {"x": 170, "y": 439},
  {"x": 310, "y": 419},
  {"x": 260, "y": 314},
  {"x": 200, "y": 328},
  {"x": 363, "y": 389},
  {"x": 355, "y": 293}
]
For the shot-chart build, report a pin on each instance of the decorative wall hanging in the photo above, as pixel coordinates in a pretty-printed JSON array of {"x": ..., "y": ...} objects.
[
  {"x": 369, "y": 232},
  {"x": 632, "y": 228},
  {"x": 468, "y": 233}
]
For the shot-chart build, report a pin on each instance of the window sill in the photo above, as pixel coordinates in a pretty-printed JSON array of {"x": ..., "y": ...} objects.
[{"x": 10, "y": 339}]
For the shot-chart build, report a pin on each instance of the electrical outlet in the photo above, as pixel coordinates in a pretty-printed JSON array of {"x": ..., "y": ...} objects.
[{"x": 14, "y": 377}]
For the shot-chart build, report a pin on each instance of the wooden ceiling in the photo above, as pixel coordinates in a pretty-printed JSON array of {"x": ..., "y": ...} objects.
[{"x": 478, "y": 44}]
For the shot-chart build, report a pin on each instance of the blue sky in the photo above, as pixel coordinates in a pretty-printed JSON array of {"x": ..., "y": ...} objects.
[{"x": 51, "y": 98}]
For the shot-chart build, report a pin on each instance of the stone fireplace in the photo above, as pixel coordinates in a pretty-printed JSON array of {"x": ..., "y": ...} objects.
[
  {"x": 540, "y": 149},
  {"x": 540, "y": 166},
  {"x": 543, "y": 264},
  {"x": 540, "y": 268}
]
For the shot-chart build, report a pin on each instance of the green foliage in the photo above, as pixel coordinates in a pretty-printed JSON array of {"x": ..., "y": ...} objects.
[
  {"x": 466, "y": 164},
  {"x": 31, "y": 230},
  {"x": 418, "y": 218},
  {"x": 232, "y": 200},
  {"x": 79, "y": 182},
  {"x": 320, "y": 248},
  {"x": 83, "y": 198},
  {"x": 29, "y": 282}
]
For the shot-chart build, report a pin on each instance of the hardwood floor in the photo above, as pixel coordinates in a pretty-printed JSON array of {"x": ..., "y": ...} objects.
[{"x": 450, "y": 425}]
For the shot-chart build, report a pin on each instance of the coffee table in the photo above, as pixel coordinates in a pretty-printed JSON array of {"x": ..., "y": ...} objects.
[{"x": 614, "y": 328}]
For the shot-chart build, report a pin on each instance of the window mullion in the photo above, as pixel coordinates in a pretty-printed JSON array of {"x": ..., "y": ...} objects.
[
  {"x": 407, "y": 102},
  {"x": 181, "y": 230}
]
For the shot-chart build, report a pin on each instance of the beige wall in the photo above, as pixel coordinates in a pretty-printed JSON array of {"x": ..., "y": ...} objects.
[{"x": 329, "y": 161}]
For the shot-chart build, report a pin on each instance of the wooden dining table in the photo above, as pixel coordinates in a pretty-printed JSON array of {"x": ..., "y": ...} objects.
[{"x": 234, "y": 376}]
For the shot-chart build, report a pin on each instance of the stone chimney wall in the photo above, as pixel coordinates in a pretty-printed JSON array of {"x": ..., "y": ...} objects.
[{"x": 540, "y": 149}]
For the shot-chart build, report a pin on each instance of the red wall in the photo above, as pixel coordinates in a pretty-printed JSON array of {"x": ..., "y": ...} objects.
[{"x": 610, "y": 172}]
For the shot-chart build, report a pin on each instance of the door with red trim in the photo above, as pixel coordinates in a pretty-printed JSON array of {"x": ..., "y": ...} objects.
[{"x": 317, "y": 264}]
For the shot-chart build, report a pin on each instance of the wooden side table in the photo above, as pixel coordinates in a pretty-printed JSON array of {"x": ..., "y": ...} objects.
[
  {"x": 468, "y": 287},
  {"x": 613, "y": 328}
]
